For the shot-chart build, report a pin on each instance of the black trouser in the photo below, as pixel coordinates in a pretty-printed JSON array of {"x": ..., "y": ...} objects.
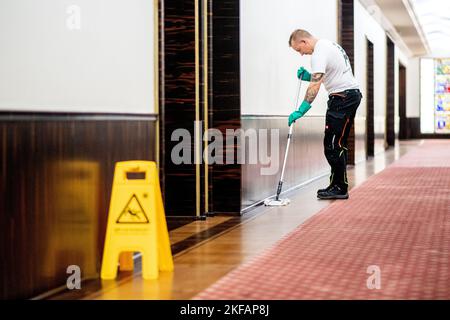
[{"x": 339, "y": 120}]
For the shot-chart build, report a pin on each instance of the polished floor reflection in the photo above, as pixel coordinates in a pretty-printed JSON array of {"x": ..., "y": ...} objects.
[{"x": 208, "y": 250}]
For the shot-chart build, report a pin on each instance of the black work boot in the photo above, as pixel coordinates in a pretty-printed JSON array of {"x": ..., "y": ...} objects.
[
  {"x": 323, "y": 190},
  {"x": 335, "y": 192}
]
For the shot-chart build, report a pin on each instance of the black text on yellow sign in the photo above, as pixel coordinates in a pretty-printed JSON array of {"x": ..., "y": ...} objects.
[{"x": 136, "y": 222}]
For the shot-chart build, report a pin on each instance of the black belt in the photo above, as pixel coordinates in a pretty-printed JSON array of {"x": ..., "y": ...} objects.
[{"x": 344, "y": 93}]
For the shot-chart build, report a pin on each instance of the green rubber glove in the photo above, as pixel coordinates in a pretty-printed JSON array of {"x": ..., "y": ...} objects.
[
  {"x": 303, "y": 74},
  {"x": 304, "y": 107}
]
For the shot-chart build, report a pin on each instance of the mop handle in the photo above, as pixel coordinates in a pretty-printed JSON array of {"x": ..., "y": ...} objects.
[
  {"x": 291, "y": 127},
  {"x": 287, "y": 151}
]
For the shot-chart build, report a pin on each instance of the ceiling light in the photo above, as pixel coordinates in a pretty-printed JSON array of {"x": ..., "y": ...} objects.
[{"x": 434, "y": 19}]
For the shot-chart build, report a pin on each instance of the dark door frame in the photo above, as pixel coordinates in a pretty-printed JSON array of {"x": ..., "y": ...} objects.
[
  {"x": 346, "y": 38},
  {"x": 390, "y": 93},
  {"x": 403, "y": 129},
  {"x": 370, "y": 105}
]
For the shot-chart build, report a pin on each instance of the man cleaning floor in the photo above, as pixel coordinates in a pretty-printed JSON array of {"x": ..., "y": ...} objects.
[{"x": 330, "y": 65}]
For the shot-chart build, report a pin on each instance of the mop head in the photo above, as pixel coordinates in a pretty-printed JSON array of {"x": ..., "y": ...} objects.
[{"x": 276, "y": 203}]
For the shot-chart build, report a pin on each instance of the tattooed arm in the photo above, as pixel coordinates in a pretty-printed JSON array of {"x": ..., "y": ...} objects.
[
  {"x": 314, "y": 86},
  {"x": 311, "y": 93}
]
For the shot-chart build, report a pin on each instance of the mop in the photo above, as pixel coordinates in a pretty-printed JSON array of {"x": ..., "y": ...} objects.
[{"x": 277, "y": 202}]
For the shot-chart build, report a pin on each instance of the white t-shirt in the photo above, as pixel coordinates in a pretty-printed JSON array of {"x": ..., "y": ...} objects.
[{"x": 329, "y": 58}]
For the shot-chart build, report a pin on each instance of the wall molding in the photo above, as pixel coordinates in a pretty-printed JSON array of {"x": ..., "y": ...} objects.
[
  {"x": 70, "y": 116},
  {"x": 275, "y": 116}
]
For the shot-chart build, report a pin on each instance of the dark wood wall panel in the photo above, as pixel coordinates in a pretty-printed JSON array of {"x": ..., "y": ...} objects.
[
  {"x": 56, "y": 175},
  {"x": 205, "y": 98},
  {"x": 225, "y": 108},
  {"x": 413, "y": 129},
  {"x": 370, "y": 119},
  {"x": 177, "y": 102},
  {"x": 402, "y": 134},
  {"x": 390, "y": 93},
  {"x": 346, "y": 36}
]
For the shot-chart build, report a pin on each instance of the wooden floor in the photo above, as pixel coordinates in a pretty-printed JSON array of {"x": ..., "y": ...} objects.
[{"x": 224, "y": 243}]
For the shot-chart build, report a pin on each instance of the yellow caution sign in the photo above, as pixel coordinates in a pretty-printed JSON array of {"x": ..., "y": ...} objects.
[
  {"x": 133, "y": 212},
  {"x": 136, "y": 222}
]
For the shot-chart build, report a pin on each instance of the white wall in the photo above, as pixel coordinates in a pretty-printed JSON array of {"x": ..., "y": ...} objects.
[
  {"x": 105, "y": 66},
  {"x": 367, "y": 28},
  {"x": 268, "y": 65},
  {"x": 413, "y": 88},
  {"x": 426, "y": 95}
]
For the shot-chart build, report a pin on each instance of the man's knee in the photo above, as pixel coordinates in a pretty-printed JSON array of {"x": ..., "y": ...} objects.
[{"x": 332, "y": 154}]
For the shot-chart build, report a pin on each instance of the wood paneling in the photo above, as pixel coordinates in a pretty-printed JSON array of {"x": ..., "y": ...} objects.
[
  {"x": 390, "y": 93},
  {"x": 370, "y": 120},
  {"x": 403, "y": 134},
  {"x": 225, "y": 107},
  {"x": 56, "y": 175},
  {"x": 177, "y": 102},
  {"x": 413, "y": 129},
  {"x": 346, "y": 37}
]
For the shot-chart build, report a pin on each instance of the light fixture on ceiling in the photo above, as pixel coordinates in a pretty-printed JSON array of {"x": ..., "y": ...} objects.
[{"x": 433, "y": 17}]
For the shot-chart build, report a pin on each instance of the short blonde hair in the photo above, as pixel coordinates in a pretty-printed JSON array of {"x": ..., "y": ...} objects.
[{"x": 299, "y": 33}]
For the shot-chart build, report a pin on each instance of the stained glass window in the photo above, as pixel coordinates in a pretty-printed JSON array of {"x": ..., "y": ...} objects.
[{"x": 442, "y": 96}]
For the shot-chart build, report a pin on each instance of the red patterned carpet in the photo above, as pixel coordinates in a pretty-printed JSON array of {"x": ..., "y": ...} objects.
[{"x": 397, "y": 222}]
